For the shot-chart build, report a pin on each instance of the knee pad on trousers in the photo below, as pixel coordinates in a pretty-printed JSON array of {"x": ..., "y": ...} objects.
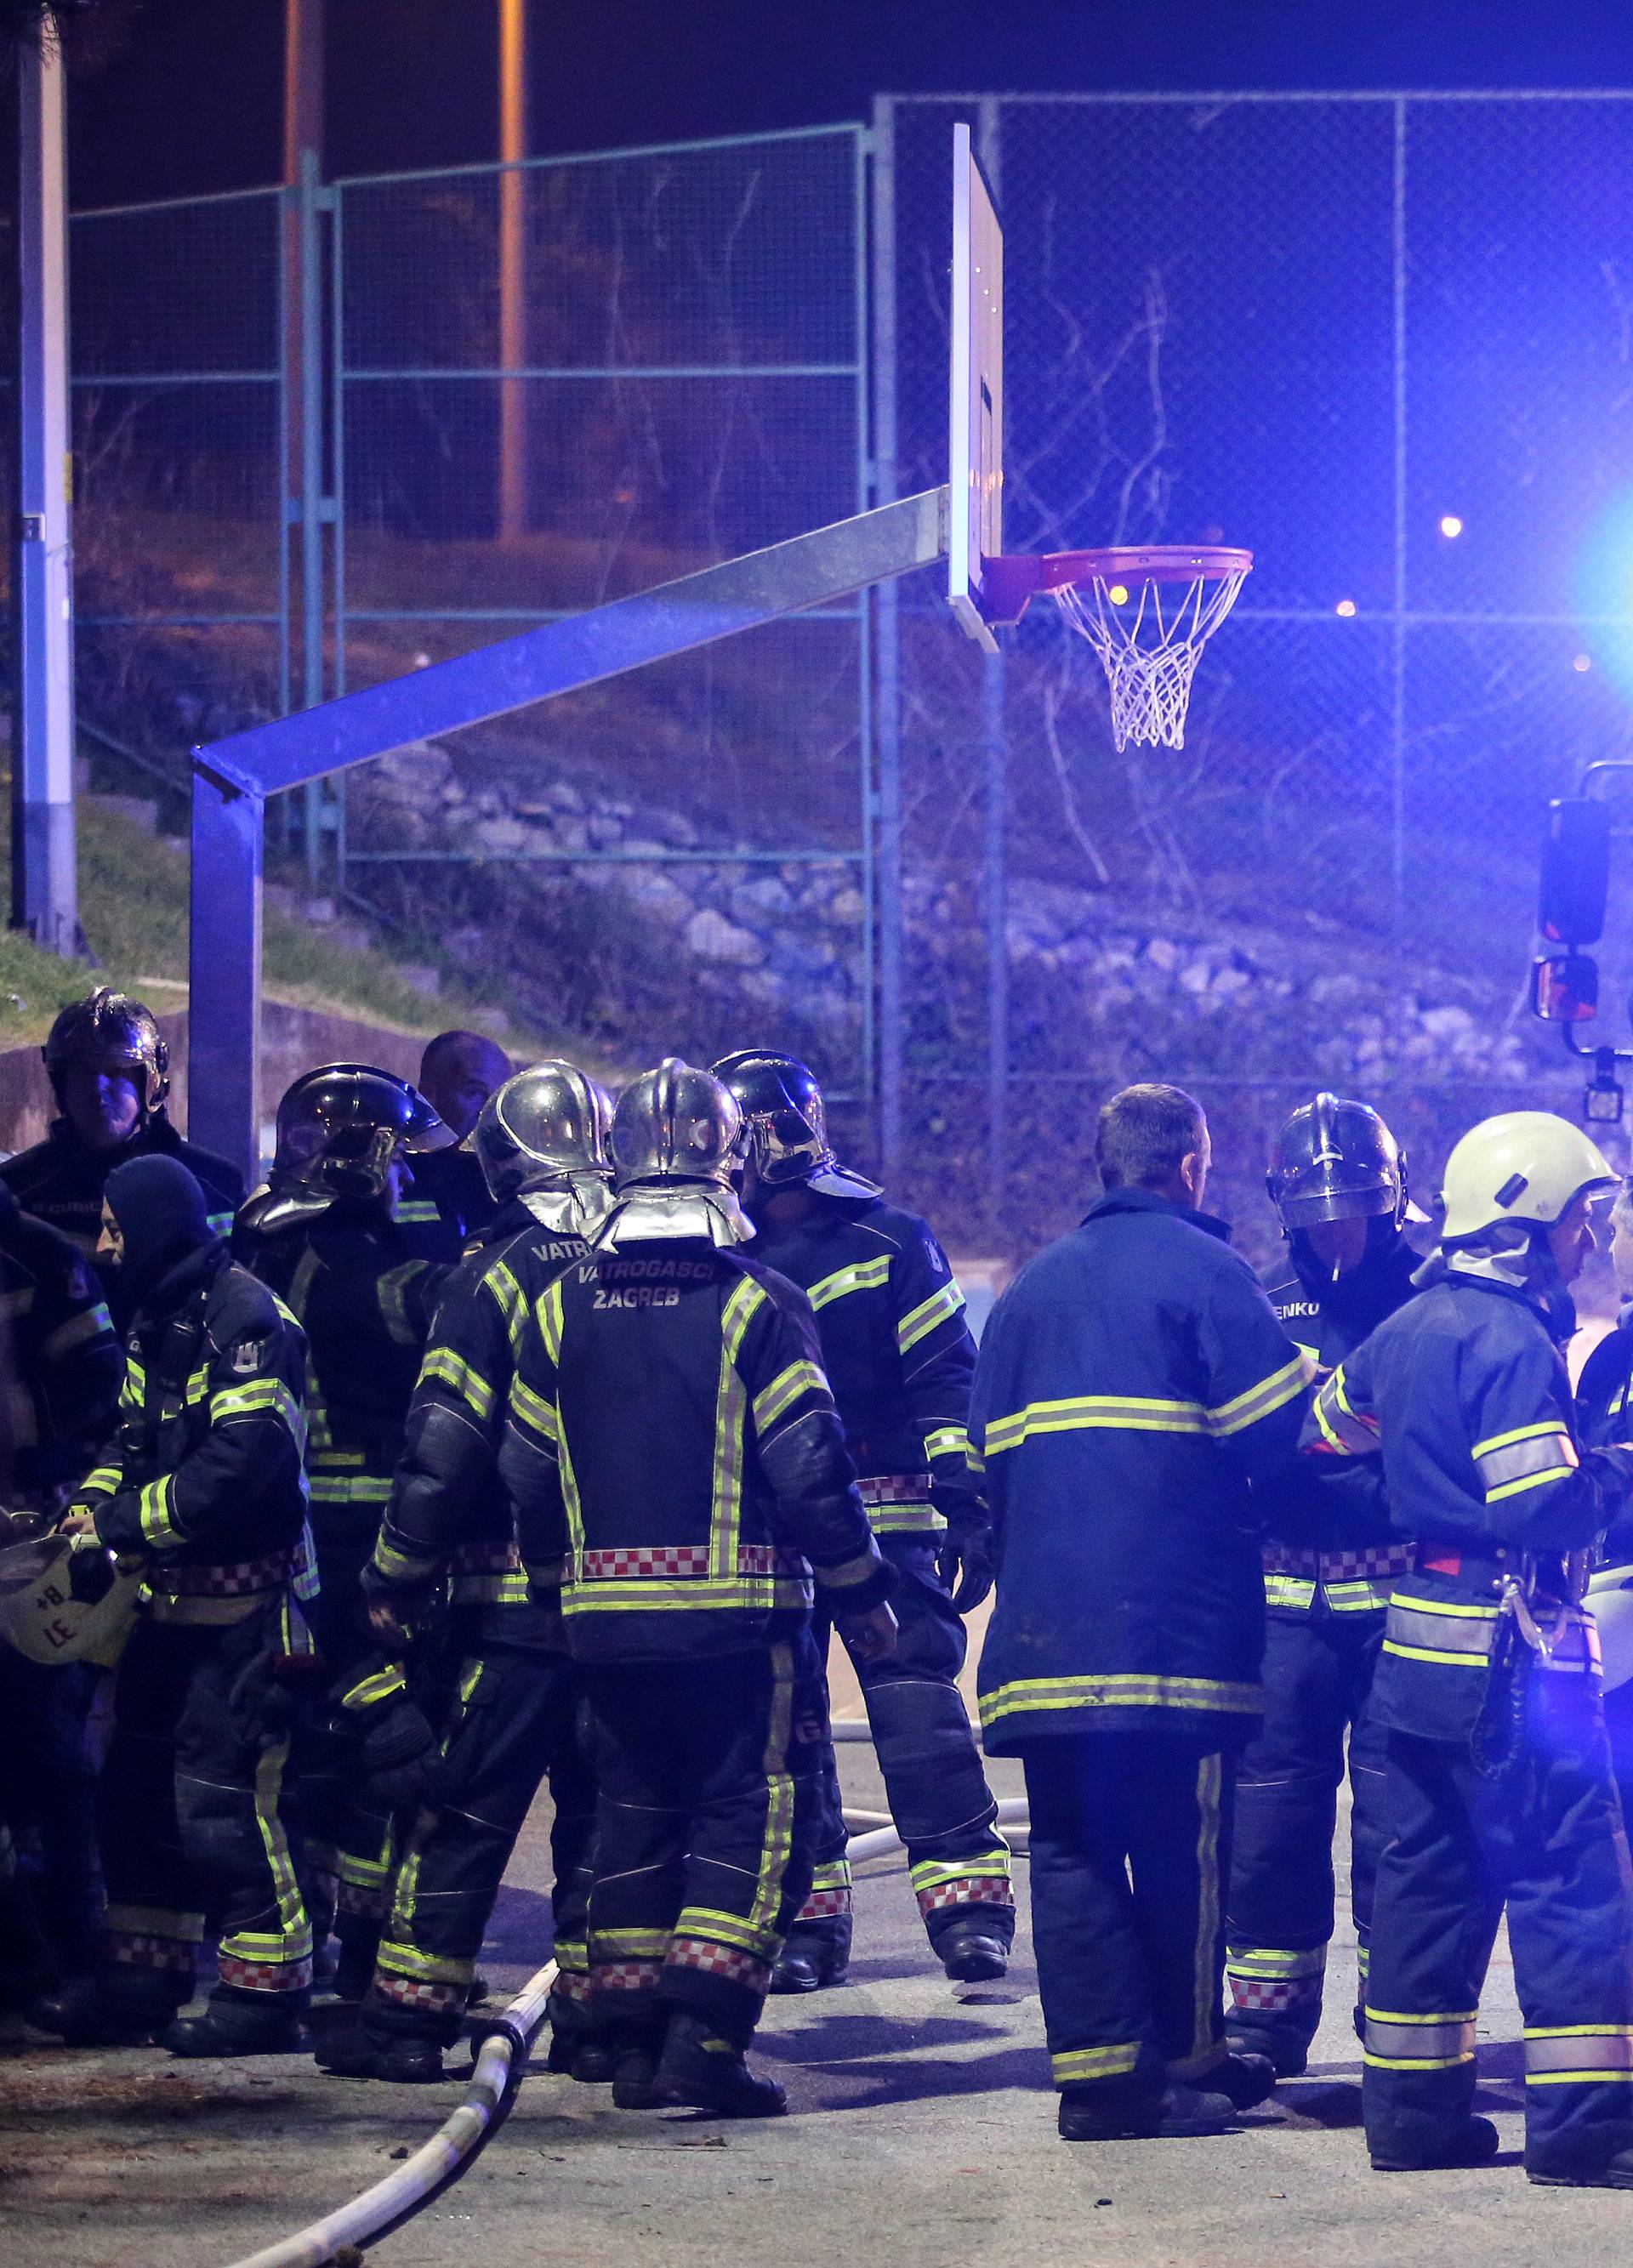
[{"x": 931, "y": 1764}]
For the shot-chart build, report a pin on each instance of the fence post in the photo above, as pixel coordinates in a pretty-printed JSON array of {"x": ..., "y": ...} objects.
[
  {"x": 44, "y": 885},
  {"x": 887, "y": 621},
  {"x": 996, "y": 886}
]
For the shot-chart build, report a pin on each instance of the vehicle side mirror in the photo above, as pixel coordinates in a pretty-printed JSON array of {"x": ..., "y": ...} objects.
[
  {"x": 1576, "y": 874},
  {"x": 1564, "y": 988}
]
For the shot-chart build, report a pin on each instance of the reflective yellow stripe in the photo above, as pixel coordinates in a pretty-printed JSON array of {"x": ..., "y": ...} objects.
[
  {"x": 378, "y": 1687},
  {"x": 1124, "y": 1690},
  {"x": 158, "y": 1504},
  {"x": 1080, "y": 2064},
  {"x": 861, "y": 1276},
  {"x": 788, "y": 1388},
  {"x": 731, "y": 1410},
  {"x": 986, "y": 1866},
  {"x": 337, "y": 1488},
  {"x": 456, "y": 1373},
  {"x": 906, "y": 1520},
  {"x": 919, "y": 1322},
  {"x": 846, "y": 1573},
  {"x": 104, "y": 1482},
  {"x": 534, "y": 1411},
  {"x": 1532, "y": 1481},
  {"x": 508, "y": 1292},
  {"x": 403, "y": 1566},
  {"x": 1119, "y": 1412},
  {"x": 685, "y": 1595},
  {"x": 393, "y": 1300},
  {"x": 293, "y": 1941},
  {"x": 1520, "y": 1433},
  {"x": 1262, "y": 1401},
  {"x": 947, "y": 1442},
  {"x": 549, "y": 1314},
  {"x": 255, "y": 1398}
]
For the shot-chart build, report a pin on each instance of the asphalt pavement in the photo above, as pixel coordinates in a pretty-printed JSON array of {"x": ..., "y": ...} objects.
[{"x": 921, "y": 2131}]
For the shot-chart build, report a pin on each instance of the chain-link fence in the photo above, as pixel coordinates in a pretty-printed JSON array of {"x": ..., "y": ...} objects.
[
  {"x": 1384, "y": 343},
  {"x": 330, "y": 434}
]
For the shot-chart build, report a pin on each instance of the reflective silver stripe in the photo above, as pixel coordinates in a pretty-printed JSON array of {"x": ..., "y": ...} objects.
[
  {"x": 1553, "y": 1451},
  {"x": 1410, "y": 2043},
  {"x": 1432, "y": 1630},
  {"x": 1594, "y": 2050},
  {"x": 1345, "y": 1433}
]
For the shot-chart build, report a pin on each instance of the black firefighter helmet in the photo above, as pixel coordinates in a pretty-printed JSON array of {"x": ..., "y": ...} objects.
[
  {"x": 109, "y": 1031},
  {"x": 339, "y": 1128},
  {"x": 1336, "y": 1160},
  {"x": 787, "y": 1124}
]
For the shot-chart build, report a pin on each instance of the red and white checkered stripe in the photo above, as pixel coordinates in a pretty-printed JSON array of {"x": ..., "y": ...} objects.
[
  {"x": 625, "y": 1560},
  {"x": 265, "y": 1976},
  {"x": 1276, "y": 1995},
  {"x": 361, "y": 1898},
  {"x": 419, "y": 1993},
  {"x": 1366, "y": 1565},
  {"x": 895, "y": 1488},
  {"x": 967, "y": 1890},
  {"x": 486, "y": 1559},
  {"x": 133, "y": 1950},
  {"x": 821, "y": 1903},
  {"x": 729, "y": 1961},
  {"x": 625, "y": 1975},
  {"x": 186, "y": 1582}
]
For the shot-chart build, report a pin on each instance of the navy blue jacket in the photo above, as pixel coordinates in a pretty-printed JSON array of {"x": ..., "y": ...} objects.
[
  {"x": 1133, "y": 1386},
  {"x": 1466, "y": 1394}
]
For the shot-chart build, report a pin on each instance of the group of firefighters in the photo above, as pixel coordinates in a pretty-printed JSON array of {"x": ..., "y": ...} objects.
[{"x": 503, "y": 1436}]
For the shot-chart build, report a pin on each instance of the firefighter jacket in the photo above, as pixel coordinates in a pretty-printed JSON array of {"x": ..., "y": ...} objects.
[
  {"x": 63, "y": 1363},
  {"x": 1603, "y": 1393},
  {"x": 367, "y": 1306},
  {"x": 449, "y": 1512},
  {"x": 61, "y": 1183},
  {"x": 1330, "y": 1544},
  {"x": 447, "y": 1207},
  {"x": 1465, "y": 1396},
  {"x": 206, "y": 1477},
  {"x": 896, "y": 1350},
  {"x": 672, "y": 1439},
  {"x": 1134, "y": 1390}
]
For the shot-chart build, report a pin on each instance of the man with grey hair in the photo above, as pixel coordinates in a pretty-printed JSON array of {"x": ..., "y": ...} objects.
[{"x": 1134, "y": 1384}]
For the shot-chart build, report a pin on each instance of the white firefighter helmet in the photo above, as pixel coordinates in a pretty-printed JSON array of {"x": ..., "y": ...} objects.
[
  {"x": 62, "y": 1599},
  {"x": 1610, "y": 1602},
  {"x": 1526, "y": 1165}
]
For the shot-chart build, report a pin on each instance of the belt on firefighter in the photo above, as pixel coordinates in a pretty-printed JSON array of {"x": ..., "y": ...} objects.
[
  {"x": 1480, "y": 1568},
  {"x": 235, "y": 1581}
]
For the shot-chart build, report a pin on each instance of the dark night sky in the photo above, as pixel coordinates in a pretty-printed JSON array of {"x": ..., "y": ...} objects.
[{"x": 191, "y": 99}]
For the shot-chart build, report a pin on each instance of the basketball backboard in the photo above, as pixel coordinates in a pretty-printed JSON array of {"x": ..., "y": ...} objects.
[{"x": 975, "y": 434}]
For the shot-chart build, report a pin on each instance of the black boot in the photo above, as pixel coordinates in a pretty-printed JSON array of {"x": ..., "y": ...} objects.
[
  {"x": 1473, "y": 2143},
  {"x": 1288, "y": 2057},
  {"x": 700, "y": 2069},
  {"x": 1115, "y": 2110},
  {"x": 354, "y": 2053},
  {"x": 972, "y": 1953},
  {"x": 810, "y": 1962},
  {"x": 1243, "y": 2078},
  {"x": 575, "y": 2047},
  {"x": 88, "y": 2014},
  {"x": 1613, "y": 2173},
  {"x": 230, "y": 2027}
]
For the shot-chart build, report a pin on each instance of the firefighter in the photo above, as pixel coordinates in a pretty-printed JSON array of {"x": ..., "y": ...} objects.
[
  {"x": 459, "y": 1073},
  {"x": 109, "y": 1069},
  {"x": 205, "y": 1488},
  {"x": 1133, "y": 1386},
  {"x": 542, "y": 1141},
  {"x": 323, "y": 1235},
  {"x": 65, "y": 1367},
  {"x": 1339, "y": 1183},
  {"x": 1498, "y": 1782},
  {"x": 673, "y": 1438},
  {"x": 899, "y": 1356},
  {"x": 1603, "y": 1393}
]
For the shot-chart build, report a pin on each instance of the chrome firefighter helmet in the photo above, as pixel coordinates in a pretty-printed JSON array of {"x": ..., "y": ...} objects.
[
  {"x": 787, "y": 1124},
  {"x": 108, "y": 1031},
  {"x": 546, "y": 1124},
  {"x": 1525, "y": 1166},
  {"x": 63, "y": 1599},
  {"x": 1336, "y": 1160},
  {"x": 676, "y": 1137}
]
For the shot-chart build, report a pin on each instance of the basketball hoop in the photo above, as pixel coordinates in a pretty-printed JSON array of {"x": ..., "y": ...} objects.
[{"x": 1147, "y": 610}]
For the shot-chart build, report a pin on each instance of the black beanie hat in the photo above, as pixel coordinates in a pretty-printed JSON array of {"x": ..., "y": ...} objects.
[{"x": 161, "y": 1214}]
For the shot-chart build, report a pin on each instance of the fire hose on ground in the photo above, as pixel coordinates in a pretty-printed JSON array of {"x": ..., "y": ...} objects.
[{"x": 495, "y": 2081}]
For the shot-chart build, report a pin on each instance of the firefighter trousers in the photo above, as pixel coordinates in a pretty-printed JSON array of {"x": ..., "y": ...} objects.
[
  {"x": 189, "y": 1815},
  {"x": 1547, "y": 1842},
  {"x": 1130, "y": 1852},
  {"x": 519, "y": 1715},
  {"x": 1280, "y": 1913},
  {"x": 707, "y": 1795},
  {"x": 959, "y": 1864}
]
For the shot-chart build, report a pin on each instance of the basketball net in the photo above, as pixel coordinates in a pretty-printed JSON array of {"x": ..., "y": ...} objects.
[{"x": 1149, "y": 635}]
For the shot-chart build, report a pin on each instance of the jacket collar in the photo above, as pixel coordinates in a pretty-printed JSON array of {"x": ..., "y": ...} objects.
[
  {"x": 1127, "y": 1200},
  {"x": 1557, "y": 1313}
]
